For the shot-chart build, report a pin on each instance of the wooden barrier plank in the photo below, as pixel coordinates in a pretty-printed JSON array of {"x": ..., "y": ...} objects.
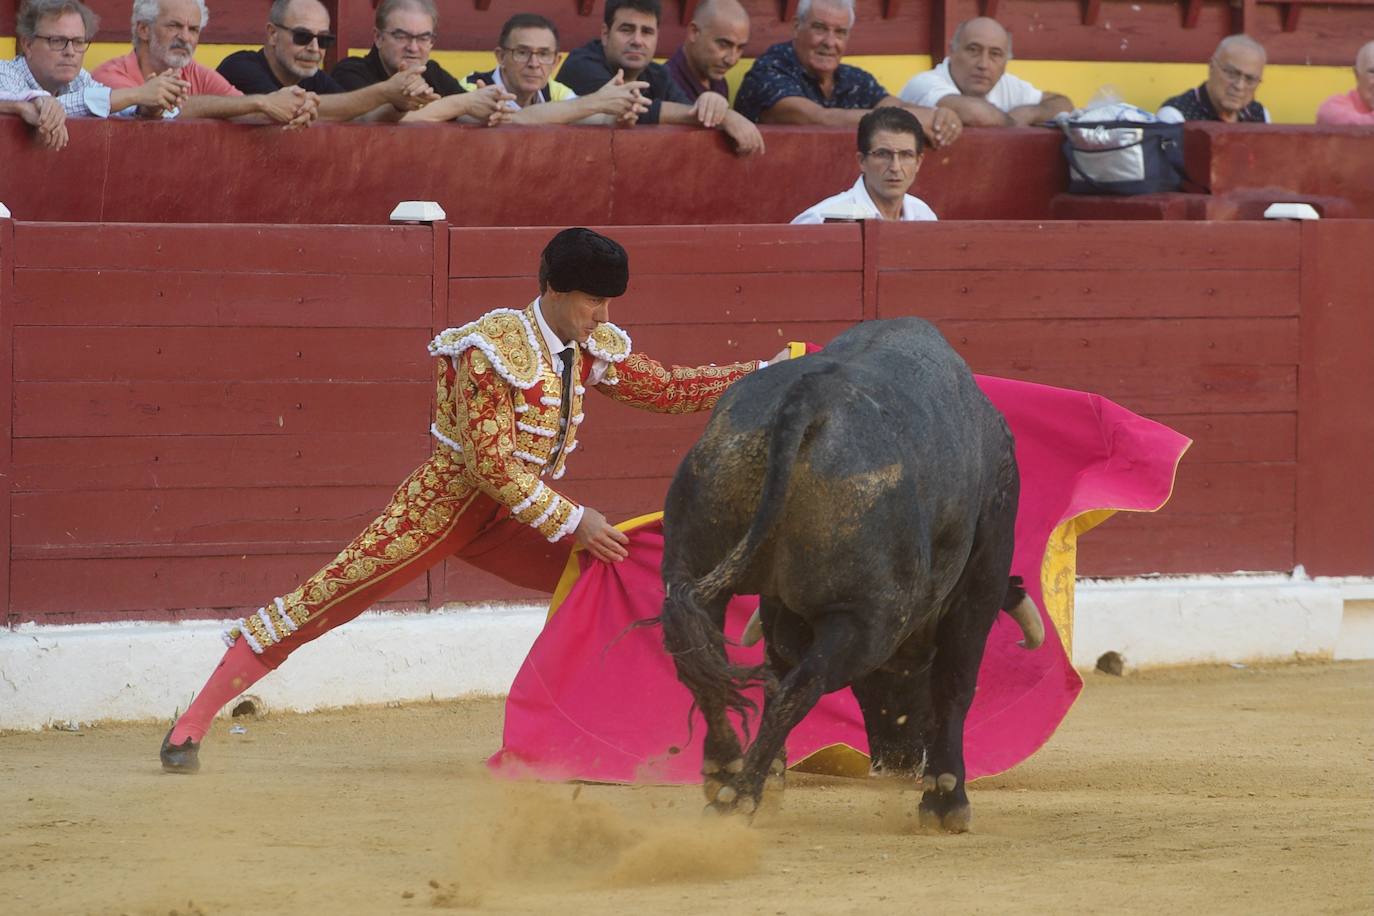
[
  {"x": 1222, "y": 437},
  {"x": 709, "y": 298},
  {"x": 1336, "y": 400},
  {"x": 364, "y": 250},
  {"x": 1129, "y": 543},
  {"x": 1090, "y": 293},
  {"x": 1052, "y": 343},
  {"x": 219, "y": 354},
  {"x": 1234, "y": 490},
  {"x": 57, "y": 519},
  {"x": 457, "y": 581},
  {"x": 1031, "y": 246},
  {"x": 235, "y": 584},
  {"x": 1154, "y": 391},
  {"x": 204, "y": 408},
  {"x": 284, "y": 460},
  {"x": 514, "y": 252},
  {"x": 6, "y": 408},
  {"x": 217, "y": 298}
]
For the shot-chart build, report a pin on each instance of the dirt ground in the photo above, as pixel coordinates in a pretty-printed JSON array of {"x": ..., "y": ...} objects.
[{"x": 1193, "y": 790}]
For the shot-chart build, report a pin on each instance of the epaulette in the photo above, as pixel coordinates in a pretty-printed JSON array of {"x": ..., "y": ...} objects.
[
  {"x": 608, "y": 342},
  {"x": 504, "y": 336}
]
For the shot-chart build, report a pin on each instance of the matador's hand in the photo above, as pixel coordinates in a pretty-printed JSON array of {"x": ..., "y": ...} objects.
[{"x": 599, "y": 538}]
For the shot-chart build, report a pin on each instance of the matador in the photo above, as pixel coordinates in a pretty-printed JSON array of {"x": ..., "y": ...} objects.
[{"x": 509, "y": 404}]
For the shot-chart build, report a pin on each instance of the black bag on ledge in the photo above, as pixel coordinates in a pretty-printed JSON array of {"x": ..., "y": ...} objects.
[{"x": 1123, "y": 157}]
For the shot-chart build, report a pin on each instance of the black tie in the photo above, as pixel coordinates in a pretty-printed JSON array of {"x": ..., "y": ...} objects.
[{"x": 565, "y": 407}]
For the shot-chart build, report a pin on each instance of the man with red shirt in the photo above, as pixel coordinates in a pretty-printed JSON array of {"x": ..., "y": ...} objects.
[{"x": 165, "y": 36}]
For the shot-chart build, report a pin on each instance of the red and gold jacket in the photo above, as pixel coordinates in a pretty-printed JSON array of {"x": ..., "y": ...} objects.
[{"x": 500, "y": 397}]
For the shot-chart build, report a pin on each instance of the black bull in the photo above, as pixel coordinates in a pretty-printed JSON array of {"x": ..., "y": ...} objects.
[{"x": 867, "y": 494}]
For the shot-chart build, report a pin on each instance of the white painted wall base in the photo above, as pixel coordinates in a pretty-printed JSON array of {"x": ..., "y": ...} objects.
[{"x": 138, "y": 671}]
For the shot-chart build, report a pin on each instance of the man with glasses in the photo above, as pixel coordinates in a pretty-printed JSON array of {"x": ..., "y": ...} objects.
[
  {"x": 891, "y": 144},
  {"x": 973, "y": 82},
  {"x": 297, "y": 37},
  {"x": 629, "y": 37},
  {"x": 403, "y": 38},
  {"x": 526, "y": 53},
  {"x": 803, "y": 81},
  {"x": 1233, "y": 75},
  {"x": 166, "y": 34},
  {"x": 52, "y": 38}
]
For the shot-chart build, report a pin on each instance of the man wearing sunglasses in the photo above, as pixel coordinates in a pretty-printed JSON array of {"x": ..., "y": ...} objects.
[
  {"x": 526, "y": 53},
  {"x": 404, "y": 37},
  {"x": 297, "y": 37},
  {"x": 891, "y": 145},
  {"x": 166, "y": 34},
  {"x": 1233, "y": 75},
  {"x": 52, "y": 38}
]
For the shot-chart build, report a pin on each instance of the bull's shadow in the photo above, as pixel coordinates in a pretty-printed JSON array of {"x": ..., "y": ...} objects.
[{"x": 867, "y": 493}]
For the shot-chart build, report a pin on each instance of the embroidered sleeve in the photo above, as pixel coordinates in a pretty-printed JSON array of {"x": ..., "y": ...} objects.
[
  {"x": 642, "y": 382},
  {"x": 486, "y": 430}
]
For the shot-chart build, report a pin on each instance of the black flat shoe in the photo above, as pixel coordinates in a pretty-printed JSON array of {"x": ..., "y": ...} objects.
[{"x": 179, "y": 758}]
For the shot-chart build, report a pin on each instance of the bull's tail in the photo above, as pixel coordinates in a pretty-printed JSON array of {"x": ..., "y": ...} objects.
[
  {"x": 1023, "y": 610},
  {"x": 690, "y": 634}
]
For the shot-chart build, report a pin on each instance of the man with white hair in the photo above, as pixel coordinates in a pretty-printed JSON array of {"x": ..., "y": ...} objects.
[
  {"x": 803, "y": 81},
  {"x": 1233, "y": 75},
  {"x": 973, "y": 82},
  {"x": 165, "y": 36},
  {"x": 1356, "y": 106}
]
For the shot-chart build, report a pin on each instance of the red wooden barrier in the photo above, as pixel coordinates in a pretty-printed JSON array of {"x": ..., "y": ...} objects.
[{"x": 202, "y": 414}]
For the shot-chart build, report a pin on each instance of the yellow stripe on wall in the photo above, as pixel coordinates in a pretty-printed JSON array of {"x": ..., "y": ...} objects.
[{"x": 1292, "y": 93}]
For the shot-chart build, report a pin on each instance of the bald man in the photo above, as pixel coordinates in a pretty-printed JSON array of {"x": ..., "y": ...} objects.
[
  {"x": 973, "y": 82},
  {"x": 1233, "y": 75},
  {"x": 1356, "y": 106},
  {"x": 715, "y": 41}
]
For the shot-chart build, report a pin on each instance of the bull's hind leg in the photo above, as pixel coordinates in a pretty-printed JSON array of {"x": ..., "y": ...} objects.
[
  {"x": 895, "y": 701},
  {"x": 828, "y": 663}
]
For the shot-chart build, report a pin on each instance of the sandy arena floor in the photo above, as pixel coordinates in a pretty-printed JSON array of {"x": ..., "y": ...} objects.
[{"x": 1196, "y": 790}]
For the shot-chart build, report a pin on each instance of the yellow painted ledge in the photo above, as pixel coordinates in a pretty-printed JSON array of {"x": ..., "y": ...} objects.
[{"x": 1292, "y": 93}]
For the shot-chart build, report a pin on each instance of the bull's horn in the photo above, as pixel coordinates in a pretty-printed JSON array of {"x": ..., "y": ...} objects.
[
  {"x": 1027, "y": 617},
  {"x": 753, "y": 630}
]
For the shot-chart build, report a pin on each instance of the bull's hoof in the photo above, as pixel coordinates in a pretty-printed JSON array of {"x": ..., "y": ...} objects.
[
  {"x": 956, "y": 820},
  {"x": 943, "y": 806},
  {"x": 777, "y": 775}
]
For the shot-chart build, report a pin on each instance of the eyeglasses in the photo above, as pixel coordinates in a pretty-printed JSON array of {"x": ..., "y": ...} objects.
[
  {"x": 523, "y": 55},
  {"x": 303, "y": 37},
  {"x": 1232, "y": 75},
  {"x": 885, "y": 156},
  {"x": 402, "y": 37},
  {"x": 60, "y": 42}
]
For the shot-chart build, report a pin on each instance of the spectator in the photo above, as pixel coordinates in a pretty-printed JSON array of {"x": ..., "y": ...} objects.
[
  {"x": 297, "y": 37},
  {"x": 402, "y": 40},
  {"x": 973, "y": 82},
  {"x": 1357, "y": 105},
  {"x": 803, "y": 81},
  {"x": 891, "y": 144},
  {"x": 525, "y": 52},
  {"x": 629, "y": 36},
  {"x": 52, "y": 37},
  {"x": 716, "y": 37},
  {"x": 1233, "y": 75},
  {"x": 40, "y": 111},
  {"x": 165, "y": 36}
]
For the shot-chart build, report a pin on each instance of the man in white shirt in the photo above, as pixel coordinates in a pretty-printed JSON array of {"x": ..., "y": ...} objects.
[
  {"x": 973, "y": 82},
  {"x": 891, "y": 144}
]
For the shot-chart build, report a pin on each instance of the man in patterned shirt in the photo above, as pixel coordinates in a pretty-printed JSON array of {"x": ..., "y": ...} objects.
[
  {"x": 803, "y": 81},
  {"x": 52, "y": 38},
  {"x": 510, "y": 393}
]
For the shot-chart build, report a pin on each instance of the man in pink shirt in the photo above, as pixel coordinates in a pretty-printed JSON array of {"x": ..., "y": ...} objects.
[
  {"x": 1357, "y": 105},
  {"x": 165, "y": 34}
]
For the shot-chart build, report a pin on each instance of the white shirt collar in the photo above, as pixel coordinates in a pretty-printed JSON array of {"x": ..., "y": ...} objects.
[{"x": 551, "y": 340}]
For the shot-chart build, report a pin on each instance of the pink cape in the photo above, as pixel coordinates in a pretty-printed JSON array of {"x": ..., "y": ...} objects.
[{"x": 595, "y": 701}]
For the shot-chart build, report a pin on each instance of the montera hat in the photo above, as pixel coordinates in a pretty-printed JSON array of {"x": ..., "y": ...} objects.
[{"x": 580, "y": 260}]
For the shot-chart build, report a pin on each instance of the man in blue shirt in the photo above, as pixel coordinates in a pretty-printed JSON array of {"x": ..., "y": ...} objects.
[{"x": 803, "y": 81}]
